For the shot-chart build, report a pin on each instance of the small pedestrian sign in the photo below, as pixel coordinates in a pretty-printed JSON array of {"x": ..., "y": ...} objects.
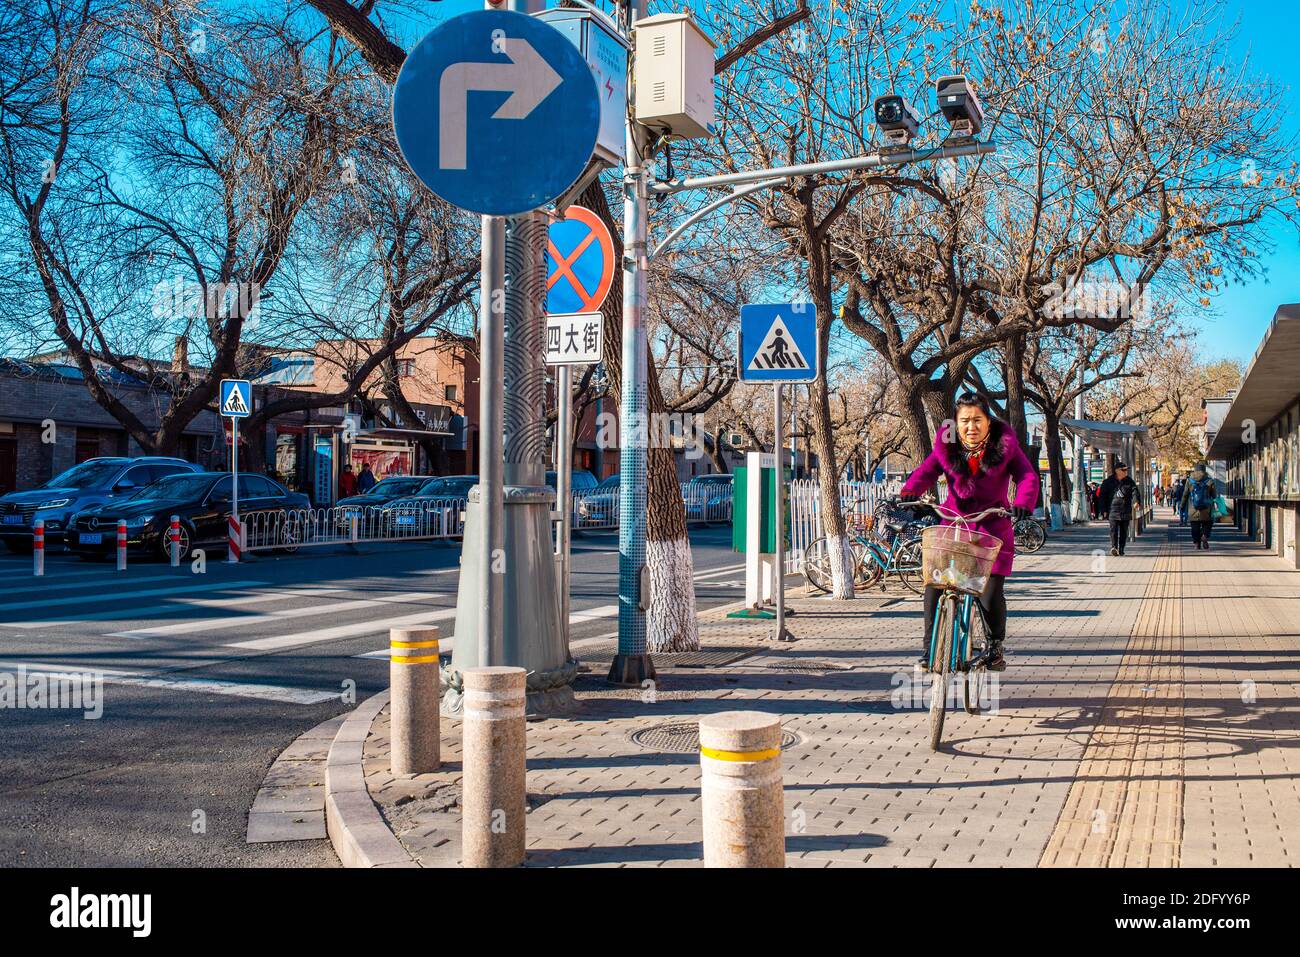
[
  {"x": 574, "y": 339},
  {"x": 236, "y": 398},
  {"x": 778, "y": 342}
]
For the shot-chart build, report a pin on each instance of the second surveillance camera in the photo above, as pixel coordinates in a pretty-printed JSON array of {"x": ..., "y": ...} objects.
[
  {"x": 896, "y": 118},
  {"x": 959, "y": 104}
]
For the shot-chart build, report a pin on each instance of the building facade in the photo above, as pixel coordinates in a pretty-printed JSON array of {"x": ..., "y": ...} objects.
[
  {"x": 1257, "y": 440},
  {"x": 49, "y": 422}
]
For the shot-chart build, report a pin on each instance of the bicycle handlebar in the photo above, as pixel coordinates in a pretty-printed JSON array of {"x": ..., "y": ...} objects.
[{"x": 967, "y": 519}]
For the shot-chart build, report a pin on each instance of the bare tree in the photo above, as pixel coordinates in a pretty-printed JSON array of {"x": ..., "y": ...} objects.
[{"x": 169, "y": 149}]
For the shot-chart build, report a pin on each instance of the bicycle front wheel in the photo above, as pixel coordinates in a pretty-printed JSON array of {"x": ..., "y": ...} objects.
[
  {"x": 976, "y": 677},
  {"x": 866, "y": 569},
  {"x": 817, "y": 565},
  {"x": 939, "y": 639},
  {"x": 1030, "y": 536},
  {"x": 909, "y": 566}
]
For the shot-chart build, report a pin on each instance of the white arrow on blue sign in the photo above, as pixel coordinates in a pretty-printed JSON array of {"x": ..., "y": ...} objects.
[
  {"x": 496, "y": 112},
  {"x": 236, "y": 398},
  {"x": 778, "y": 342}
]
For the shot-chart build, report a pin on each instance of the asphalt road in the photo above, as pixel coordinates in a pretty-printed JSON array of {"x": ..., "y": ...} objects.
[{"x": 207, "y": 677}]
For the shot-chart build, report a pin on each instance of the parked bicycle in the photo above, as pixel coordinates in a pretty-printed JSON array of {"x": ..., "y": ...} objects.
[
  {"x": 958, "y": 558},
  {"x": 1031, "y": 534},
  {"x": 888, "y": 546}
]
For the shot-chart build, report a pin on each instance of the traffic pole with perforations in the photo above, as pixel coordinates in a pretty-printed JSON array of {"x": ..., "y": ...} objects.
[
  {"x": 175, "y": 539},
  {"x": 121, "y": 544},
  {"x": 38, "y": 548}
]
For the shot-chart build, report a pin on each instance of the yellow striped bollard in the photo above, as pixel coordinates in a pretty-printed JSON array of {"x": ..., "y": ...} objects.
[
  {"x": 741, "y": 790},
  {"x": 413, "y": 712}
]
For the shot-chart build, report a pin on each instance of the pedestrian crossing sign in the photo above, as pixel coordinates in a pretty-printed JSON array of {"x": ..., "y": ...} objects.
[
  {"x": 236, "y": 398},
  {"x": 778, "y": 342}
]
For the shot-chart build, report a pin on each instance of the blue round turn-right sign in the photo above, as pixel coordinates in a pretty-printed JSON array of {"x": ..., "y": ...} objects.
[{"x": 496, "y": 112}]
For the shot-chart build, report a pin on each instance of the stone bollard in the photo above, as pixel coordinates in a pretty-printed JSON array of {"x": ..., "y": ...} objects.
[
  {"x": 493, "y": 790},
  {"x": 741, "y": 788},
  {"x": 413, "y": 715}
]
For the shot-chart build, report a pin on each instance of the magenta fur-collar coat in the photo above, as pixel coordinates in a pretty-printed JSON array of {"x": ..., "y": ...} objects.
[{"x": 1004, "y": 461}]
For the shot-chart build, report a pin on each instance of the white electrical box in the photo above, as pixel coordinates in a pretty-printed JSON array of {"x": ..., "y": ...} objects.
[{"x": 673, "y": 72}]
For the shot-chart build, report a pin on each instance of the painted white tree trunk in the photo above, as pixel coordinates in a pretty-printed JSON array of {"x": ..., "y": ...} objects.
[
  {"x": 671, "y": 624},
  {"x": 841, "y": 566}
]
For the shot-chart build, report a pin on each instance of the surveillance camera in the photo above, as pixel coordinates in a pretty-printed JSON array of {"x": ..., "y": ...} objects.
[
  {"x": 960, "y": 106},
  {"x": 896, "y": 118}
]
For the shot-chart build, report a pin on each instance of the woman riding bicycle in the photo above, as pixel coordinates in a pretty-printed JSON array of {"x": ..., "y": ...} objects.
[{"x": 979, "y": 454}]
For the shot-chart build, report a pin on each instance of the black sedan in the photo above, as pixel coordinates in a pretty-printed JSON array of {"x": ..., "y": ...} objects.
[{"x": 202, "y": 501}]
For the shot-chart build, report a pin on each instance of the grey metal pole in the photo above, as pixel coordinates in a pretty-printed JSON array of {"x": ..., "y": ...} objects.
[
  {"x": 1080, "y": 493},
  {"x": 564, "y": 482},
  {"x": 778, "y": 442},
  {"x": 794, "y": 431},
  {"x": 632, "y": 665},
  {"x": 491, "y": 431}
]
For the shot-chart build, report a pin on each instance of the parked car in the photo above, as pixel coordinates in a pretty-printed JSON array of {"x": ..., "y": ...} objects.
[
  {"x": 598, "y": 506},
  {"x": 708, "y": 498},
  {"x": 94, "y": 482},
  {"x": 449, "y": 486},
  {"x": 580, "y": 480},
  {"x": 385, "y": 490},
  {"x": 201, "y": 500},
  {"x": 423, "y": 512}
]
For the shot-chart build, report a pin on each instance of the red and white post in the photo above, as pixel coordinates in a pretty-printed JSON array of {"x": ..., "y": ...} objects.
[
  {"x": 234, "y": 539},
  {"x": 38, "y": 548},
  {"x": 175, "y": 540},
  {"x": 121, "y": 544}
]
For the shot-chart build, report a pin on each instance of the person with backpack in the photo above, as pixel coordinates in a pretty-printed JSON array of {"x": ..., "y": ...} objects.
[
  {"x": 1120, "y": 495},
  {"x": 1198, "y": 505}
]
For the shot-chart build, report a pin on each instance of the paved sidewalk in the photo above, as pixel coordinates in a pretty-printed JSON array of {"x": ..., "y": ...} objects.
[{"x": 1148, "y": 716}]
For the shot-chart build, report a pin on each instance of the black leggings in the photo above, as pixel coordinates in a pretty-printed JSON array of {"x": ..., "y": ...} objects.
[{"x": 993, "y": 602}]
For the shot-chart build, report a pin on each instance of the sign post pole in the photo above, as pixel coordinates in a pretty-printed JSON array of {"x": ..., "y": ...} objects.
[
  {"x": 491, "y": 457},
  {"x": 232, "y": 553},
  {"x": 782, "y": 633},
  {"x": 564, "y": 482}
]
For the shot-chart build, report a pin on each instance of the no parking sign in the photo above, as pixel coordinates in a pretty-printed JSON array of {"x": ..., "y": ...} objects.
[{"x": 579, "y": 263}]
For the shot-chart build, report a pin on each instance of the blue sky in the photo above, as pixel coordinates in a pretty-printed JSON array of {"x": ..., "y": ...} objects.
[{"x": 1239, "y": 315}]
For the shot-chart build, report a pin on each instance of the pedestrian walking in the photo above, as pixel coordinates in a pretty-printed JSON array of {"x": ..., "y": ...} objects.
[
  {"x": 347, "y": 481},
  {"x": 1120, "y": 495},
  {"x": 1198, "y": 505},
  {"x": 366, "y": 480}
]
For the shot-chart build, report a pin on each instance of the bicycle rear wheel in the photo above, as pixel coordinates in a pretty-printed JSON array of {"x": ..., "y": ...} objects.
[
  {"x": 940, "y": 637},
  {"x": 977, "y": 643},
  {"x": 817, "y": 565}
]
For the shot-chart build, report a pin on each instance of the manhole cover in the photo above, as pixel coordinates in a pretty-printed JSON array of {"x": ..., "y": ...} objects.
[
  {"x": 685, "y": 738},
  {"x": 807, "y": 666}
]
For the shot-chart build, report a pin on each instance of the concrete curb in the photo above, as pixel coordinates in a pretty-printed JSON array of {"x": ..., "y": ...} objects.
[{"x": 360, "y": 836}]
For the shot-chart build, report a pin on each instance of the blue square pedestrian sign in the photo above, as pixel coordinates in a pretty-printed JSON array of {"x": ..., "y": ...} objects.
[
  {"x": 778, "y": 342},
  {"x": 236, "y": 398}
]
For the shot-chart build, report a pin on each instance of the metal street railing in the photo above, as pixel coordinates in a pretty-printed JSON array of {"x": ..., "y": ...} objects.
[{"x": 400, "y": 521}]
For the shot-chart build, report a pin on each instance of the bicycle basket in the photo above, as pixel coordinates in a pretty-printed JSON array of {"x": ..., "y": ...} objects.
[{"x": 958, "y": 558}]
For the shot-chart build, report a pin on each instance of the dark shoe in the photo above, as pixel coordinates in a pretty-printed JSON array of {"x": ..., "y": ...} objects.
[
  {"x": 1114, "y": 550},
  {"x": 923, "y": 662},
  {"x": 995, "y": 661}
]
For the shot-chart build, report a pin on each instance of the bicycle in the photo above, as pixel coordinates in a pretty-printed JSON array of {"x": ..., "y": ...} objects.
[
  {"x": 1030, "y": 534},
  {"x": 958, "y": 559},
  {"x": 888, "y": 547}
]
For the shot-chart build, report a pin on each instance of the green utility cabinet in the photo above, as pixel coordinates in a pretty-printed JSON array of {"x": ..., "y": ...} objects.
[{"x": 740, "y": 510}]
